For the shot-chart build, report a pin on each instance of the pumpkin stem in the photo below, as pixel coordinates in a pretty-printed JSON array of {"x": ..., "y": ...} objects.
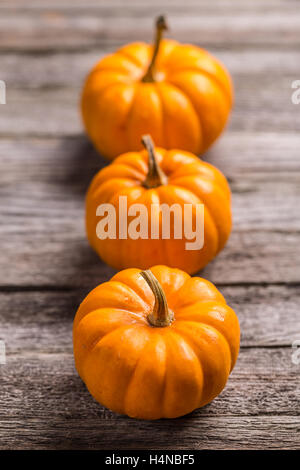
[
  {"x": 155, "y": 176},
  {"x": 161, "y": 25},
  {"x": 161, "y": 315}
]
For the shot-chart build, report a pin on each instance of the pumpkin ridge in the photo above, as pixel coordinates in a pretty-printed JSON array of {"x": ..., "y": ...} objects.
[
  {"x": 133, "y": 274},
  {"x": 129, "y": 57},
  {"x": 201, "y": 201},
  {"x": 167, "y": 55},
  {"x": 208, "y": 209},
  {"x": 164, "y": 243},
  {"x": 200, "y": 129},
  {"x": 100, "y": 92},
  {"x": 192, "y": 344},
  {"x": 221, "y": 179},
  {"x": 127, "y": 191},
  {"x": 104, "y": 89},
  {"x": 200, "y": 69},
  {"x": 203, "y": 170},
  {"x": 128, "y": 119},
  {"x": 109, "y": 305},
  {"x": 142, "y": 354},
  {"x": 208, "y": 180},
  {"x": 214, "y": 303},
  {"x": 95, "y": 343},
  {"x": 114, "y": 331},
  {"x": 97, "y": 187},
  {"x": 136, "y": 316},
  {"x": 207, "y": 283},
  {"x": 136, "y": 175},
  {"x": 107, "y": 338},
  {"x": 131, "y": 164},
  {"x": 165, "y": 143},
  {"x": 205, "y": 178},
  {"x": 163, "y": 390},
  {"x": 108, "y": 183},
  {"x": 210, "y": 319},
  {"x": 175, "y": 334},
  {"x": 206, "y": 325},
  {"x": 199, "y": 116},
  {"x": 129, "y": 112},
  {"x": 209, "y": 75},
  {"x": 132, "y": 289},
  {"x": 108, "y": 64},
  {"x": 201, "y": 143}
]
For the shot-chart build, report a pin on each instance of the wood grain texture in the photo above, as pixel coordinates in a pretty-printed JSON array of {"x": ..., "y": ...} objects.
[
  {"x": 248, "y": 433},
  {"x": 59, "y": 412},
  {"x": 53, "y": 26},
  {"x": 27, "y": 70},
  {"x": 268, "y": 107},
  {"x": 47, "y": 267},
  {"x": 65, "y": 259},
  {"x": 44, "y": 221},
  {"x": 62, "y": 171},
  {"x": 41, "y": 321}
]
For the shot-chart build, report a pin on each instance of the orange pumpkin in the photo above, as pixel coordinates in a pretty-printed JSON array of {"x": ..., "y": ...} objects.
[
  {"x": 178, "y": 93},
  {"x": 157, "y": 177},
  {"x": 155, "y": 344}
]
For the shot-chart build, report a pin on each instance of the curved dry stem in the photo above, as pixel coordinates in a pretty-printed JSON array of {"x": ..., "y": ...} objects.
[{"x": 161, "y": 315}]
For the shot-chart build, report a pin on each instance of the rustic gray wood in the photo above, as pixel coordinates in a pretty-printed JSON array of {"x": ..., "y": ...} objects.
[
  {"x": 66, "y": 167},
  {"x": 68, "y": 69},
  {"x": 260, "y": 401},
  {"x": 41, "y": 321},
  {"x": 47, "y": 267},
  {"x": 64, "y": 258},
  {"x": 63, "y": 26},
  {"x": 190, "y": 433},
  {"x": 268, "y": 107}
]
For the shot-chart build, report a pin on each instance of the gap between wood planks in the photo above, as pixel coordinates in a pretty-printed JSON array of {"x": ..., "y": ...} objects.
[
  {"x": 68, "y": 288},
  {"x": 268, "y": 316}
]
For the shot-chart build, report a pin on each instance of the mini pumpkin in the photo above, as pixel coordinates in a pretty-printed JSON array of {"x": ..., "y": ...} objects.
[
  {"x": 155, "y": 344},
  {"x": 153, "y": 178},
  {"x": 178, "y": 93}
]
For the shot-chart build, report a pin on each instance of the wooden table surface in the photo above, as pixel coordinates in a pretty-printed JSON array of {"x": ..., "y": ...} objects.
[{"x": 47, "y": 266}]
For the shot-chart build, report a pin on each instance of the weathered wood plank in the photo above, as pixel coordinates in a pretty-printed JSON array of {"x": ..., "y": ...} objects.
[
  {"x": 258, "y": 204},
  {"x": 234, "y": 433},
  {"x": 70, "y": 262},
  {"x": 256, "y": 152},
  {"x": 60, "y": 69},
  {"x": 264, "y": 108},
  {"x": 64, "y": 259},
  {"x": 269, "y": 372},
  {"x": 269, "y": 316},
  {"x": 45, "y": 405},
  {"x": 44, "y": 221},
  {"x": 73, "y": 161},
  {"x": 143, "y": 6},
  {"x": 54, "y": 27},
  {"x": 62, "y": 170}
]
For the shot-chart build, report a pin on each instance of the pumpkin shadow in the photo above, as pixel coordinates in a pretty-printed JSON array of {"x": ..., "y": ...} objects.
[
  {"x": 83, "y": 271},
  {"x": 81, "y": 163},
  {"x": 128, "y": 433},
  {"x": 76, "y": 163}
]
